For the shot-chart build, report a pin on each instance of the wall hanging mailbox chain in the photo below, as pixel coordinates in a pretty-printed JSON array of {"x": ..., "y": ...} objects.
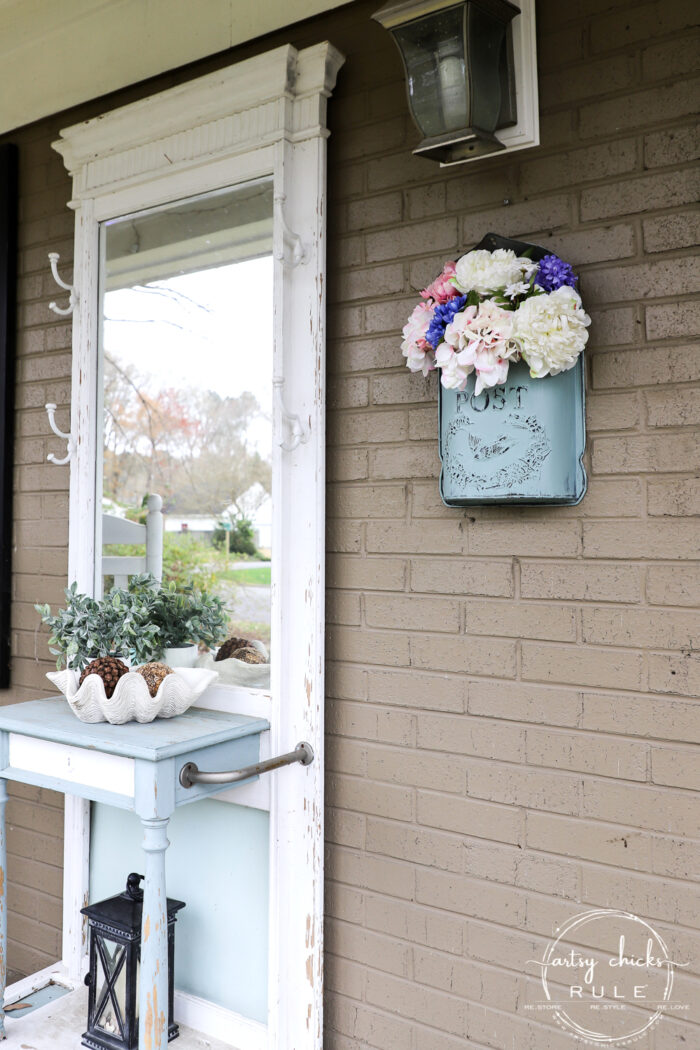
[
  {"x": 191, "y": 775},
  {"x": 70, "y": 288},
  {"x": 68, "y": 438},
  {"x": 299, "y": 433}
]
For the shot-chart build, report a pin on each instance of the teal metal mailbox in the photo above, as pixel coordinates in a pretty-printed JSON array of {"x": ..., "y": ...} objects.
[
  {"x": 517, "y": 443},
  {"x": 522, "y": 442}
]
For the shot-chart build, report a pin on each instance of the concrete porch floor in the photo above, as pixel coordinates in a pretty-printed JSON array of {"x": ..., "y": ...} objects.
[{"x": 59, "y": 1025}]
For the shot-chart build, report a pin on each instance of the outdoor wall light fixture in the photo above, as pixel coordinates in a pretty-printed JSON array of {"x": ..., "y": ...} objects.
[
  {"x": 113, "y": 980},
  {"x": 460, "y": 75}
]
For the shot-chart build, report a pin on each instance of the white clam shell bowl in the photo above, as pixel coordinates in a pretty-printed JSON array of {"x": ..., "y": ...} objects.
[{"x": 131, "y": 700}]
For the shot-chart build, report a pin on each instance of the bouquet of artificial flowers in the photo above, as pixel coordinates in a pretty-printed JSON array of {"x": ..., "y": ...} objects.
[{"x": 491, "y": 308}]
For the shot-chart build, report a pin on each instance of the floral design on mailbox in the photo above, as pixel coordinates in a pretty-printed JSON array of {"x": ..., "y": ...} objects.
[
  {"x": 520, "y": 441},
  {"x": 506, "y": 327}
]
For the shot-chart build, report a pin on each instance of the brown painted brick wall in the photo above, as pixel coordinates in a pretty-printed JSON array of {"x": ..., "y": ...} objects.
[
  {"x": 512, "y": 693},
  {"x": 40, "y": 556}
]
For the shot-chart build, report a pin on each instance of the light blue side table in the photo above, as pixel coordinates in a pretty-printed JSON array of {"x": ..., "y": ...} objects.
[{"x": 134, "y": 767}]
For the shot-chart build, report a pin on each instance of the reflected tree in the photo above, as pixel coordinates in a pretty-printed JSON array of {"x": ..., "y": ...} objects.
[{"x": 193, "y": 448}]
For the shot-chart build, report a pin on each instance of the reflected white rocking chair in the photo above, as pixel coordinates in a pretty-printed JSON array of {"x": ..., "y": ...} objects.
[{"x": 120, "y": 530}]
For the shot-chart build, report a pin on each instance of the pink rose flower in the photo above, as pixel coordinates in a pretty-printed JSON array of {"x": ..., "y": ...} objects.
[{"x": 442, "y": 289}]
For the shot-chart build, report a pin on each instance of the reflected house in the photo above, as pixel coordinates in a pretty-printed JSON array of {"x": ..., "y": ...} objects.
[
  {"x": 199, "y": 526},
  {"x": 255, "y": 505}
]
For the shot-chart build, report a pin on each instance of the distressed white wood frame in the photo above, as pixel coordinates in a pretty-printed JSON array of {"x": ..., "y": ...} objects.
[
  {"x": 526, "y": 132},
  {"x": 265, "y": 117}
]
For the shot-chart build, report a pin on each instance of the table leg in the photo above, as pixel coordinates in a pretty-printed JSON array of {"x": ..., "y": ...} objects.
[
  {"x": 3, "y": 904},
  {"x": 153, "y": 989}
]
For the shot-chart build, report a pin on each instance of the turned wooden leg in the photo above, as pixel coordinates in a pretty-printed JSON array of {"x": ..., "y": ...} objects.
[{"x": 153, "y": 987}]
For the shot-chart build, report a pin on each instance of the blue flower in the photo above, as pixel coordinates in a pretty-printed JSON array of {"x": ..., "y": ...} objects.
[
  {"x": 443, "y": 315},
  {"x": 553, "y": 272}
]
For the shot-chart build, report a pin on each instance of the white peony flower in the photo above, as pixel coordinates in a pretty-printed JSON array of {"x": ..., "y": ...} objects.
[
  {"x": 483, "y": 271},
  {"x": 551, "y": 331},
  {"x": 453, "y": 373},
  {"x": 481, "y": 338}
]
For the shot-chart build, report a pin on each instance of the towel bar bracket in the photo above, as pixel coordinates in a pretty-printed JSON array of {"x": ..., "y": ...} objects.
[{"x": 190, "y": 774}]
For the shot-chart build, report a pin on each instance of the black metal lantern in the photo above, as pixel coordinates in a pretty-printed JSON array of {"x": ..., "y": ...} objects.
[
  {"x": 113, "y": 980},
  {"x": 459, "y": 72}
]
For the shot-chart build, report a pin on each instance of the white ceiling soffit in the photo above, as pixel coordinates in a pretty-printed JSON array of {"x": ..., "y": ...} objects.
[{"x": 57, "y": 55}]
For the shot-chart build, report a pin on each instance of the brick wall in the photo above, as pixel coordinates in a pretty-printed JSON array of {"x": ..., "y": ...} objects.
[
  {"x": 40, "y": 556},
  {"x": 512, "y": 692}
]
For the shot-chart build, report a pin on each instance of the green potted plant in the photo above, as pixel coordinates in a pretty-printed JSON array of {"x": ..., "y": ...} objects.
[
  {"x": 118, "y": 625},
  {"x": 184, "y": 619}
]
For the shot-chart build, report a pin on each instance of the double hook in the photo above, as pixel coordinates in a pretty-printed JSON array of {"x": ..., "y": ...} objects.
[
  {"x": 293, "y": 252},
  {"x": 70, "y": 288},
  {"x": 62, "y": 312},
  {"x": 299, "y": 434},
  {"x": 68, "y": 438}
]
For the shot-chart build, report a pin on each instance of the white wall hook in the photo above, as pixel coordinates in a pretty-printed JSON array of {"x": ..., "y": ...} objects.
[
  {"x": 293, "y": 251},
  {"x": 68, "y": 438},
  {"x": 299, "y": 434},
  {"x": 73, "y": 295}
]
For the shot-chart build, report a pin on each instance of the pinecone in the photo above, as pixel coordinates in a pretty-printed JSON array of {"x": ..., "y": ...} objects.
[
  {"x": 227, "y": 648},
  {"x": 154, "y": 673},
  {"x": 249, "y": 655},
  {"x": 109, "y": 668}
]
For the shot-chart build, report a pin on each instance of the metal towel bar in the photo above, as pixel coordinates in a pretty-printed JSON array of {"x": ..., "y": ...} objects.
[{"x": 191, "y": 775}]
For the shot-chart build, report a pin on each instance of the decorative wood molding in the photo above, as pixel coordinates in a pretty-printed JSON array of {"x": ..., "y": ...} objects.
[
  {"x": 281, "y": 94},
  {"x": 219, "y": 1023},
  {"x": 261, "y": 119}
]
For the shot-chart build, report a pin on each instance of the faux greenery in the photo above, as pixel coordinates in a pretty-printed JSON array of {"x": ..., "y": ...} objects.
[
  {"x": 185, "y": 616},
  {"x": 138, "y": 623},
  {"x": 120, "y": 624}
]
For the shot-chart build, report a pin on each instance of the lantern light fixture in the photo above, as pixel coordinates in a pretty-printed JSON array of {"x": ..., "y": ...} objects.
[
  {"x": 113, "y": 979},
  {"x": 462, "y": 74}
]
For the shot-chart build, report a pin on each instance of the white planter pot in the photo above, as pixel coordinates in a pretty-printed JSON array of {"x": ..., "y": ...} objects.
[{"x": 183, "y": 656}]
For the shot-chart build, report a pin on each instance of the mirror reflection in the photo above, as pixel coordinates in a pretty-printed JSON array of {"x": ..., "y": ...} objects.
[{"x": 186, "y": 386}]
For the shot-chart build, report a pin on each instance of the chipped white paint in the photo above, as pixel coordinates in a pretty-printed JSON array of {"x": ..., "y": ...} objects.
[
  {"x": 261, "y": 118},
  {"x": 57, "y": 1025},
  {"x": 76, "y": 877},
  {"x": 55, "y": 974}
]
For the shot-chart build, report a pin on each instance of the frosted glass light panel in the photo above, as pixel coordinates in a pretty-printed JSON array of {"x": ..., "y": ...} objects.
[{"x": 186, "y": 388}]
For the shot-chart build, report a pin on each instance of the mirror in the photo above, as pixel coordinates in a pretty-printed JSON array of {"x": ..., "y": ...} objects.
[{"x": 185, "y": 378}]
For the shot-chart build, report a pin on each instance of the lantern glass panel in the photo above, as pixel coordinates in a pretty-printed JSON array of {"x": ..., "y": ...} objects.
[
  {"x": 110, "y": 998},
  {"x": 438, "y": 85}
]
